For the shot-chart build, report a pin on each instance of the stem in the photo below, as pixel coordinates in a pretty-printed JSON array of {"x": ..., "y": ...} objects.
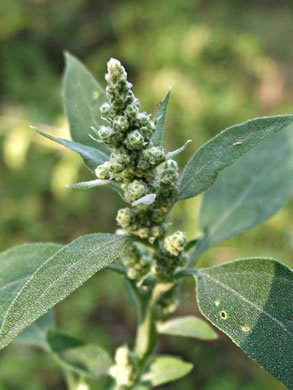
[{"x": 146, "y": 333}]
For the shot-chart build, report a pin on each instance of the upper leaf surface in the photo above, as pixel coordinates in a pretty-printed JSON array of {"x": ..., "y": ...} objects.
[
  {"x": 92, "y": 157},
  {"x": 17, "y": 265},
  {"x": 160, "y": 119},
  {"x": 251, "y": 301},
  {"x": 83, "y": 96},
  {"x": 224, "y": 150},
  {"x": 164, "y": 369},
  {"x": 249, "y": 192},
  {"x": 78, "y": 356},
  {"x": 188, "y": 326},
  {"x": 58, "y": 277}
]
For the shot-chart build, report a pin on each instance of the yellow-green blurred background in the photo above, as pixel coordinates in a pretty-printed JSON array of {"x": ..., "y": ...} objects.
[{"x": 227, "y": 61}]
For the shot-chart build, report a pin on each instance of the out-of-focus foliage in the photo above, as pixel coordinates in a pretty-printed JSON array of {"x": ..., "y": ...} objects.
[{"x": 226, "y": 61}]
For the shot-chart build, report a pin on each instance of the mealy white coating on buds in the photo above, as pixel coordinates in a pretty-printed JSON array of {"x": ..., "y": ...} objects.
[
  {"x": 175, "y": 243},
  {"x": 125, "y": 369}
]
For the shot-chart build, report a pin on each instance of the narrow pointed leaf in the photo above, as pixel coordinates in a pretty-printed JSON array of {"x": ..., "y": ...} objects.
[
  {"x": 92, "y": 157},
  {"x": 251, "y": 301},
  {"x": 160, "y": 119},
  {"x": 76, "y": 355},
  {"x": 224, "y": 150},
  {"x": 188, "y": 326},
  {"x": 145, "y": 200},
  {"x": 83, "y": 96},
  {"x": 58, "y": 277},
  {"x": 85, "y": 185},
  {"x": 35, "y": 334},
  {"x": 164, "y": 369},
  {"x": 178, "y": 151},
  {"x": 249, "y": 192}
]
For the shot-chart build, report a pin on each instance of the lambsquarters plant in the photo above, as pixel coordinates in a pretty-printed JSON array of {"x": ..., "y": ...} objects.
[{"x": 250, "y": 300}]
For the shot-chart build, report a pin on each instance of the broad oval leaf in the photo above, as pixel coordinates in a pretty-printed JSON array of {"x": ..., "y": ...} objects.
[
  {"x": 164, "y": 369},
  {"x": 188, "y": 326},
  {"x": 76, "y": 355},
  {"x": 83, "y": 96},
  {"x": 251, "y": 301},
  {"x": 160, "y": 119},
  {"x": 92, "y": 157},
  {"x": 224, "y": 150},
  {"x": 58, "y": 277},
  {"x": 249, "y": 192},
  {"x": 35, "y": 334}
]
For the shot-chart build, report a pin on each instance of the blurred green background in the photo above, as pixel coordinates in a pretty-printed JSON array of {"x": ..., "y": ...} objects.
[{"x": 226, "y": 61}]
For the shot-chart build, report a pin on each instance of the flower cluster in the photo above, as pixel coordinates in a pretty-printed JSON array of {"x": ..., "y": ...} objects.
[
  {"x": 169, "y": 256},
  {"x": 125, "y": 368},
  {"x": 134, "y": 165},
  {"x": 136, "y": 261}
]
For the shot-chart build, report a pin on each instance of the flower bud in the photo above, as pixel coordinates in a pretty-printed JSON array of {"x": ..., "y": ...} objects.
[
  {"x": 131, "y": 111},
  {"x": 151, "y": 157},
  {"x": 105, "y": 133},
  {"x": 125, "y": 217},
  {"x": 136, "y": 190},
  {"x": 120, "y": 123},
  {"x": 175, "y": 243},
  {"x": 103, "y": 171},
  {"x": 116, "y": 71},
  {"x": 134, "y": 140},
  {"x": 105, "y": 109}
]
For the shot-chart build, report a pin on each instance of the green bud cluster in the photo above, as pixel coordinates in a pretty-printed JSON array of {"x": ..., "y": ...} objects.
[
  {"x": 169, "y": 256},
  {"x": 128, "y": 133},
  {"x": 136, "y": 261},
  {"x": 167, "y": 303},
  {"x": 124, "y": 371},
  {"x": 134, "y": 164}
]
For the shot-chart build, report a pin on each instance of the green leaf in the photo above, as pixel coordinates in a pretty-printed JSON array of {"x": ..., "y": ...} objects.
[
  {"x": 85, "y": 185},
  {"x": 92, "y": 157},
  {"x": 188, "y": 326},
  {"x": 78, "y": 356},
  {"x": 164, "y": 369},
  {"x": 83, "y": 96},
  {"x": 17, "y": 265},
  {"x": 249, "y": 192},
  {"x": 57, "y": 278},
  {"x": 251, "y": 301},
  {"x": 160, "y": 119},
  {"x": 145, "y": 200},
  {"x": 35, "y": 334},
  {"x": 178, "y": 151},
  {"x": 224, "y": 150}
]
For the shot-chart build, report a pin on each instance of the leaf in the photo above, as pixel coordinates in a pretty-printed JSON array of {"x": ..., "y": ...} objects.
[
  {"x": 57, "y": 278},
  {"x": 85, "y": 185},
  {"x": 160, "y": 119},
  {"x": 35, "y": 334},
  {"x": 83, "y": 96},
  {"x": 188, "y": 326},
  {"x": 224, "y": 150},
  {"x": 247, "y": 193},
  {"x": 178, "y": 151},
  {"x": 145, "y": 200},
  {"x": 251, "y": 301},
  {"x": 92, "y": 157},
  {"x": 164, "y": 369},
  {"x": 78, "y": 356},
  {"x": 17, "y": 265}
]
